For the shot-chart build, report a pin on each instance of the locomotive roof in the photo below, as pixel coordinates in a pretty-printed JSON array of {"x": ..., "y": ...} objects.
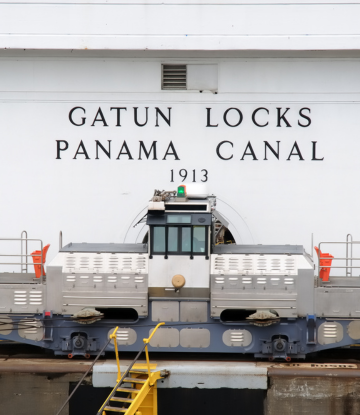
[
  {"x": 259, "y": 249},
  {"x": 105, "y": 247}
]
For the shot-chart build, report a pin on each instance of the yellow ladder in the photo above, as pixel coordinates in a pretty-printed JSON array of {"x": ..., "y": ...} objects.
[{"x": 136, "y": 390}]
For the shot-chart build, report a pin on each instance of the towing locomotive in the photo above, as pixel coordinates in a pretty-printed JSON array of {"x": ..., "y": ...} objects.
[{"x": 214, "y": 297}]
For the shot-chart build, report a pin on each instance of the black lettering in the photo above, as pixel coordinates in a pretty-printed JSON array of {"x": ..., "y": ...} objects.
[
  {"x": 240, "y": 117},
  {"x": 136, "y": 117},
  {"x": 118, "y": 109},
  {"x": 127, "y": 151},
  {"x": 158, "y": 111},
  {"x": 253, "y": 117},
  {"x": 102, "y": 118},
  {"x": 107, "y": 152},
  {"x": 83, "y": 119},
  {"x": 218, "y": 150},
  {"x": 81, "y": 145},
  {"x": 276, "y": 153},
  {"x": 147, "y": 153},
  {"x": 208, "y": 124},
  {"x": 314, "y": 152},
  {"x": 173, "y": 153},
  {"x": 252, "y": 153},
  {"x": 58, "y": 148},
  {"x": 298, "y": 152},
  {"x": 282, "y": 117},
  {"x": 304, "y": 116}
]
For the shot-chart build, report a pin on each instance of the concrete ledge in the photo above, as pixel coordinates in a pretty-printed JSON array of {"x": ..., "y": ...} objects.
[
  {"x": 43, "y": 366},
  {"x": 189, "y": 374}
]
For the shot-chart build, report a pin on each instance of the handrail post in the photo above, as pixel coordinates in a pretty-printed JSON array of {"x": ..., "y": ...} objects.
[
  {"x": 26, "y": 251},
  {"x": 349, "y": 237},
  {"x": 113, "y": 336},
  {"x": 147, "y": 341},
  {"x": 147, "y": 359}
]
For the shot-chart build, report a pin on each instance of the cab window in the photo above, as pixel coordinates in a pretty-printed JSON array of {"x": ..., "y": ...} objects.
[
  {"x": 199, "y": 239},
  {"x": 159, "y": 239},
  {"x": 178, "y": 240}
]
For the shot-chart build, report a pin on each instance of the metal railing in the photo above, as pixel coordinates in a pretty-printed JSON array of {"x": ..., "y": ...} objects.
[
  {"x": 24, "y": 255},
  {"x": 349, "y": 258},
  {"x": 120, "y": 379}
]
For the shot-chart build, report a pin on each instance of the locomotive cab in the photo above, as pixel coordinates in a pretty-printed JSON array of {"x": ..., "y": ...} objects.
[{"x": 179, "y": 247}]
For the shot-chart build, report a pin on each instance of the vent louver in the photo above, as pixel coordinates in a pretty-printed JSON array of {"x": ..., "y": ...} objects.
[{"x": 173, "y": 77}]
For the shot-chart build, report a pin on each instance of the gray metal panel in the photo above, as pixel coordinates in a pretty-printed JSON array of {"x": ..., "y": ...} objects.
[
  {"x": 196, "y": 219},
  {"x": 54, "y": 289},
  {"x": 24, "y": 298},
  {"x": 337, "y": 302},
  {"x": 330, "y": 332},
  {"x": 195, "y": 338},
  {"x": 74, "y": 301},
  {"x": 165, "y": 337},
  {"x": 259, "y": 249},
  {"x": 193, "y": 311},
  {"x": 108, "y": 247},
  {"x": 201, "y": 219},
  {"x": 31, "y": 329},
  {"x": 157, "y": 219},
  {"x": 184, "y": 293},
  {"x": 125, "y": 336},
  {"x": 336, "y": 281},
  {"x": 103, "y": 291},
  {"x": 258, "y": 294},
  {"x": 18, "y": 278},
  {"x": 353, "y": 329},
  {"x": 305, "y": 288},
  {"x": 165, "y": 310},
  {"x": 6, "y": 324}
]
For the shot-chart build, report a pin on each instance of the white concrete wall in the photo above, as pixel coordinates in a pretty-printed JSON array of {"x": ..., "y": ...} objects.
[
  {"x": 180, "y": 25},
  {"x": 97, "y": 200},
  {"x": 263, "y": 56}
]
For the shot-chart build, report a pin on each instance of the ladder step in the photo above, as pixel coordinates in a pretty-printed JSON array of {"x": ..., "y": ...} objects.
[
  {"x": 139, "y": 371},
  {"x": 132, "y": 390},
  {"x": 134, "y": 380},
  {"x": 127, "y": 400},
  {"x": 114, "y": 409}
]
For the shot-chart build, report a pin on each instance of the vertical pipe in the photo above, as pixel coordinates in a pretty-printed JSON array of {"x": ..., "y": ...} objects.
[
  {"x": 113, "y": 337},
  {"x": 26, "y": 252},
  {"x": 349, "y": 239},
  {"x": 60, "y": 240},
  {"x": 148, "y": 361},
  {"x": 312, "y": 246}
]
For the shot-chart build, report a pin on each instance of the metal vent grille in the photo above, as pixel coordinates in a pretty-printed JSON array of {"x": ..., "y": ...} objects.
[
  {"x": 173, "y": 77},
  {"x": 30, "y": 326},
  {"x": 141, "y": 262},
  {"x": 20, "y": 297},
  {"x": 35, "y": 297},
  {"x": 237, "y": 336},
  {"x": 330, "y": 330}
]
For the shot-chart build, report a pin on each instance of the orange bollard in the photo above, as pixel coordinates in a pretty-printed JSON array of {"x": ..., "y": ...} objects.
[
  {"x": 325, "y": 261},
  {"x": 36, "y": 256}
]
